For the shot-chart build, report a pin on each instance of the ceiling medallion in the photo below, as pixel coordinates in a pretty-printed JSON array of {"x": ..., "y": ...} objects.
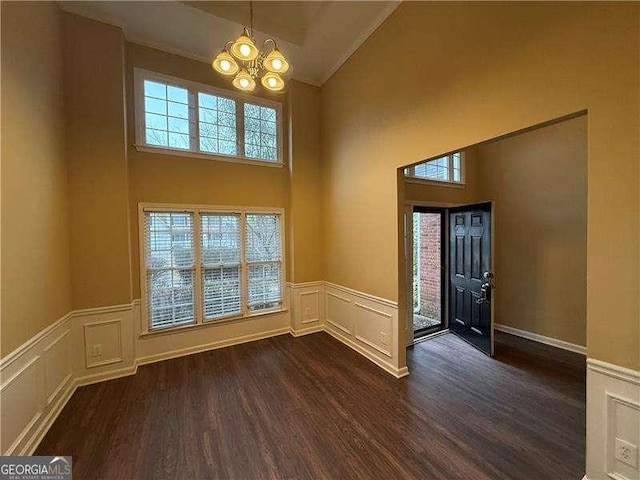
[{"x": 243, "y": 60}]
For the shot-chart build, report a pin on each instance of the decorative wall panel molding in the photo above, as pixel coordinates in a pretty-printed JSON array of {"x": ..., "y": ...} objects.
[
  {"x": 365, "y": 323},
  {"x": 307, "y": 307},
  {"x": 613, "y": 419}
]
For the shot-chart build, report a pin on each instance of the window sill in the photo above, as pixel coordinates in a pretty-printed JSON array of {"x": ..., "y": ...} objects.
[
  {"x": 435, "y": 183},
  {"x": 209, "y": 323},
  {"x": 204, "y": 156}
]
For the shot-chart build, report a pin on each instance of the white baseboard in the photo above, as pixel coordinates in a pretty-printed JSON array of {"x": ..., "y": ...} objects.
[
  {"x": 106, "y": 376},
  {"x": 211, "y": 346},
  {"x": 572, "y": 347},
  {"x": 307, "y": 331}
]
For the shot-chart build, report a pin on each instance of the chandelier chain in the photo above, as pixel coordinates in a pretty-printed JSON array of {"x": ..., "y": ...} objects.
[{"x": 251, "y": 16}]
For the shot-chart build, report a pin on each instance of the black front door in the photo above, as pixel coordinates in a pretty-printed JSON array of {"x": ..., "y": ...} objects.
[{"x": 471, "y": 279}]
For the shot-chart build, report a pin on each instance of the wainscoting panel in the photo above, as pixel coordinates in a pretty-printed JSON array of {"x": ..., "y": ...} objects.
[
  {"x": 57, "y": 366},
  {"x": 104, "y": 343},
  {"x": 613, "y": 416},
  {"x": 374, "y": 328},
  {"x": 365, "y": 323},
  {"x": 338, "y": 308},
  {"x": 155, "y": 347},
  {"x": 24, "y": 393},
  {"x": 36, "y": 382},
  {"x": 307, "y": 308}
]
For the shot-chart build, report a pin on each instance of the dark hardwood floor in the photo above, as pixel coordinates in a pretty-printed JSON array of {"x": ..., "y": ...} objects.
[{"x": 311, "y": 407}]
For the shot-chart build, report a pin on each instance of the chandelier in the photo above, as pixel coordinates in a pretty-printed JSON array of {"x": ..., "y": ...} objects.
[{"x": 242, "y": 60}]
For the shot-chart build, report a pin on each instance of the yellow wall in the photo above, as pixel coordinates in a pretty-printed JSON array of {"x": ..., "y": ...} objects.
[
  {"x": 538, "y": 181},
  {"x": 422, "y": 85},
  {"x": 36, "y": 287},
  {"x": 96, "y": 158},
  {"x": 306, "y": 184},
  {"x": 86, "y": 152}
]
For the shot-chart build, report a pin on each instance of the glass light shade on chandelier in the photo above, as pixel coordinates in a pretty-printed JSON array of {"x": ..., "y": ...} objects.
[
  {"x": 244, "y": 48},
  {"x": 272, "y": 81},
  {"x": 225, "y": 64},
  {"x": 244, "y": 81},
  {"x": 275, "y": 61}
]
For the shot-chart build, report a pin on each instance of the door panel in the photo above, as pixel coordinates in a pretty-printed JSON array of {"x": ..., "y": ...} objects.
[{"x": 471, "y": 275}]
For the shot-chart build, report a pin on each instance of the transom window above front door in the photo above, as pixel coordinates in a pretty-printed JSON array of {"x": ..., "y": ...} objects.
[{"x": 448, "y": 168}]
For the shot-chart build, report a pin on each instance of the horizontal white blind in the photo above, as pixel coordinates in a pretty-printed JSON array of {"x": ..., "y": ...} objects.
[
  {"x": 264, "y": 260},
  {"x": 220, "y": 256},
  {"x": 205, "y": 265},
  {"x": 264, "y": 286},
  {"x": 170, "y": 268}
]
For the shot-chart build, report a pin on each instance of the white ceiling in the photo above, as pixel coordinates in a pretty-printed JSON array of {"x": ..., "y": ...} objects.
[{"x": 315, "y": 36}]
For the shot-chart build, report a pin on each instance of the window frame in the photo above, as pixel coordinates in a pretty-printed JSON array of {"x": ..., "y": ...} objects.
[
  {"x": 409, "y": 172},
  {"x": 193, "y": 88},
  {"x": 199, "y": 314}
]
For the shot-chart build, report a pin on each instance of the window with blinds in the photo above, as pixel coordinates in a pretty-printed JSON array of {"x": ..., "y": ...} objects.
[
  {"x": 448, "y": 168},
  {"x": 170, "y": 268},
  {"x": 221, "y": 264},
  {"x": 264, "y": 258},
  {"x": 203, "y": 265},
  {"x": 175, "y": 114}
]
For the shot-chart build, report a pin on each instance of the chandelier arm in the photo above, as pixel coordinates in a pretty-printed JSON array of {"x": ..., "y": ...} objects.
[{"x": 274, "y": 44}]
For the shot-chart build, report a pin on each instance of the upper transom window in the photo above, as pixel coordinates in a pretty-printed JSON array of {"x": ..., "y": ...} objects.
[
  {"x": 188, "y": 118},
  {"x": 448, "y": 168}
]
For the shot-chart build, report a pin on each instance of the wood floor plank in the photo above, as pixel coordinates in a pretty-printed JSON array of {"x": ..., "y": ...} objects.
[{"x": 310, "y": 407}]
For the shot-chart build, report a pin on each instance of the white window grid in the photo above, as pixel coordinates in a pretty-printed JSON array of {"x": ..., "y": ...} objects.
[
  {"x": 445, "y": 169},
  {"x": 199, "y": 268},
  {"x": 210, "y": 131}
]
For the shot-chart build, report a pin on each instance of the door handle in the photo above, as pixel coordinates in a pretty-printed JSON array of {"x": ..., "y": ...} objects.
[{"x": 486, "y": 288}]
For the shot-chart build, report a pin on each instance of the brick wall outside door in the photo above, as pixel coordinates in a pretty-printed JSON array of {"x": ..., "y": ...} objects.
[{"x": 430, "y": 273}]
